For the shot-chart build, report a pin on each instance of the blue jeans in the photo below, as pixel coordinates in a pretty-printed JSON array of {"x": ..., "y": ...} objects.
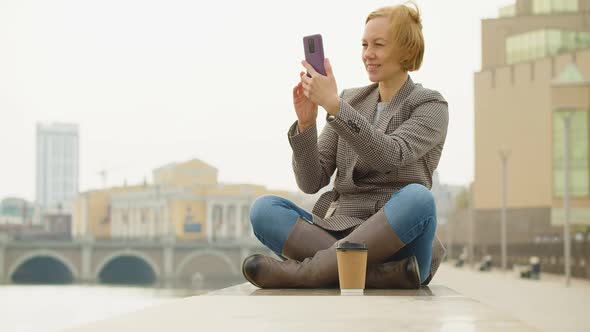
[{"x": 410, "y": 212}]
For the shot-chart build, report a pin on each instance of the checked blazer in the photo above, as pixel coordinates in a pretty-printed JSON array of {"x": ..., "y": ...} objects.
[{"x": 371, "y": 162}]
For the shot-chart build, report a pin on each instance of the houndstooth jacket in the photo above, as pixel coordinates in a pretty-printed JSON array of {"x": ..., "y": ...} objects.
[{"x": 371, "y": 162}]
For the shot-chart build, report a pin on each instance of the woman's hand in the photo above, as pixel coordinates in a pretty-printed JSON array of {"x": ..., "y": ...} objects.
[
  {"x": 321, "y": 89},
  {"x": 306, "y": 110}
]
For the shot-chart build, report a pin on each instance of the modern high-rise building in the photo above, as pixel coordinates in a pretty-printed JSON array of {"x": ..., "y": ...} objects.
[
  {"x": 535, "y": 71},
  {"x": 57, "y": 166}
]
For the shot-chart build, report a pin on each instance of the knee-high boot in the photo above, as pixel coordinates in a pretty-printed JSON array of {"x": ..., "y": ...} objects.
[
  {"x": 321, "y": 270},
  {"x": 438, "y": 254},
  {"x": 306, "y": 239}
]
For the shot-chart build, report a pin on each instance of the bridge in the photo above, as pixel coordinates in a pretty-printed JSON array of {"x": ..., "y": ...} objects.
[{"x": 162, "y": 262}]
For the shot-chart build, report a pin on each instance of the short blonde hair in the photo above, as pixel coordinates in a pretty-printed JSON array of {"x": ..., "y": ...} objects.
[{"x": 405, "y": 26}]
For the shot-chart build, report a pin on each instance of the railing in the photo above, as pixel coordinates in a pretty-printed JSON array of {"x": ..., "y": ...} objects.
[
  {"x": 222, "y": 243},
  {"x": 550, "y": 254}
]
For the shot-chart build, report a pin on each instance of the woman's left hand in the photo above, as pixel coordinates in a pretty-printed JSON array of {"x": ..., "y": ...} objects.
[{"x": 320, "y": 89}]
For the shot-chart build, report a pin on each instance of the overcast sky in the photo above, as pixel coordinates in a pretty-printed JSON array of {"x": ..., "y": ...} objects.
[{"x": 153, "y": 82}]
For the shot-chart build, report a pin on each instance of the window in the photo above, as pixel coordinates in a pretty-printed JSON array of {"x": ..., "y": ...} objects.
[
  {"x": 554, "y": 6},
  {"x": 541, "y": 43},
  {"x": 578, "y": 163}
]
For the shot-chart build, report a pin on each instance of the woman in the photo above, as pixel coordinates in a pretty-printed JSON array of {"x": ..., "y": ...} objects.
[{"x": 384, "y": 140}]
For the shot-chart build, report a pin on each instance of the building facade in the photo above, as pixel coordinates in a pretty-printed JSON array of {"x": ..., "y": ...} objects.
[
  {"x": 535, "y": 71},
  {"x": 185, "y": 202},
  {"x": 16, "y": 211},
  {"x": 57, "y": 170}
]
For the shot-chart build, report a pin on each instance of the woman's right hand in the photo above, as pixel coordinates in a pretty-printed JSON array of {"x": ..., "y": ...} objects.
[{"x": 306, "y": 110}]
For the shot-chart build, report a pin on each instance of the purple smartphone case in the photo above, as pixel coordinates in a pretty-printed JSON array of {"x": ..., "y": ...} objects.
[{"x": 315, "y": 58}]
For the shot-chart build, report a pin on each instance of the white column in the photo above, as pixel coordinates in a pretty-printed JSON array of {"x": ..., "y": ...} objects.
[
  {"x": 140, "y": 232},
  {"x": 209, "y": 221},
  {"x": 113, "y": 226},
  {"x": 127, "y": 224},
  {"x": 130, "y": 223},
  {"x": 231, "y": 221},
  {"x": 161, "y": 224},
  {"x": 116, "y": 231},
  {"x": 226, "y": 221},
  {"x": 153, "y": 214},
  {"x": 171, "y": 228},
  {"x": 134, "y": 223},
  {"x": 239, "y": 221}
]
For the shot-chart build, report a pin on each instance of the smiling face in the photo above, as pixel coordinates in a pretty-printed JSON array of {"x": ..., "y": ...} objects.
[{"x": 379, "y": 55}]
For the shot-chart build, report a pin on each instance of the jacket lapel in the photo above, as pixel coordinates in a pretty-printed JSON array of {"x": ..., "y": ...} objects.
[
  {"x": 365, "y": 103},
  {"x": 368, "y": 106},
  {"x": 394, "y": 105}
]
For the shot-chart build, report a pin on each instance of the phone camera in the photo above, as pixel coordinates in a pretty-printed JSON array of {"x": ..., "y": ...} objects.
[{"x": 311, "y": 45}]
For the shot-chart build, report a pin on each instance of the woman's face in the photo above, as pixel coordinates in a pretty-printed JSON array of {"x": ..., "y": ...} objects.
[{"x": 380, "y": 62}]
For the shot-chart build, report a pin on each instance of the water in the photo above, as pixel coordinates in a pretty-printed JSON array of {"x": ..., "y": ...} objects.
[{"x": 54, "y": 308}]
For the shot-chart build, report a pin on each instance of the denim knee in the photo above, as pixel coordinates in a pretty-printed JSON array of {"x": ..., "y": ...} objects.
[
  {"x": 410, "y": 211},
  {"x": 259, "y": 211},
  {"x": 422, "y": 198}
]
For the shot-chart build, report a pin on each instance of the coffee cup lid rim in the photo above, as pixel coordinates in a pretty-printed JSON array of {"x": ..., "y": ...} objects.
[{"x": 351, "y": 246}]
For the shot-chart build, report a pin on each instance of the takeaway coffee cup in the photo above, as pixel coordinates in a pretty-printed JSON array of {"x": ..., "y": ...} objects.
[{"x": 352, "y": 267}]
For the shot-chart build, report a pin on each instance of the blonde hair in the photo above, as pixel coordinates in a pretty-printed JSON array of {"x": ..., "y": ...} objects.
[{"x": 405, "y": 26}]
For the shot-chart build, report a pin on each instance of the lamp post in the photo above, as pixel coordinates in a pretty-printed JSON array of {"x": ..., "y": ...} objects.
[
  {"x": 471, "y": 224},
  {"x": 504, "y": 154},
  {"x": 566, "y": 117}
]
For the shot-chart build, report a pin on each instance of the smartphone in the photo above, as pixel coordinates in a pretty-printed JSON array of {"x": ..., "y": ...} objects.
[{"x": 314, "y": 52}]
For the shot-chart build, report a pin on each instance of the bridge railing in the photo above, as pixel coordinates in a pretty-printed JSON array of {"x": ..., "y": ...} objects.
[{"x": 245, "y": 242}]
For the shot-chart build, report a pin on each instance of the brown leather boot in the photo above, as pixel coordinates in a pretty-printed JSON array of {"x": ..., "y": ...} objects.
[
  {"x": 305, "y": 240},
  {"x": 322, "y": 270},
  {"x": 403, "y": 274},
  {"x": 438, "y": 254}
]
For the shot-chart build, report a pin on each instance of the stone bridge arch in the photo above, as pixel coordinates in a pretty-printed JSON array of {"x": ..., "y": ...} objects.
[
  {"x": 221, "y": 259},
  {"x": 127, "y": 252},
  {"x": 23, "y": 258}
]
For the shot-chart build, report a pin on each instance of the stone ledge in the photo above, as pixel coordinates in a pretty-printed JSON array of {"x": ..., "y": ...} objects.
[
  {"x": 247, "y": 289},
  {"x": 246, "y": 308}
]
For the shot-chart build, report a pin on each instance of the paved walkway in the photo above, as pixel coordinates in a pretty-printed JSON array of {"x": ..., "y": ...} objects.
[{"x": 546, "y": 304}]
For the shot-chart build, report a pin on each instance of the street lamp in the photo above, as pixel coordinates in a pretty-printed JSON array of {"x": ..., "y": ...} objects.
[
  {"x": 504, "y": 154},
  {"x": 471, "y": 223},
  {"x": 566, "y": 117}
]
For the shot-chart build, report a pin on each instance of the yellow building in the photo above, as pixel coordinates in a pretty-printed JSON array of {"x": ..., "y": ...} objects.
[
  {"x": 191, "y": 173},
  {"x": 185, "y": 202},
  {"x": 535, "y": 69},
  {"x": 91, "y": 212}
]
